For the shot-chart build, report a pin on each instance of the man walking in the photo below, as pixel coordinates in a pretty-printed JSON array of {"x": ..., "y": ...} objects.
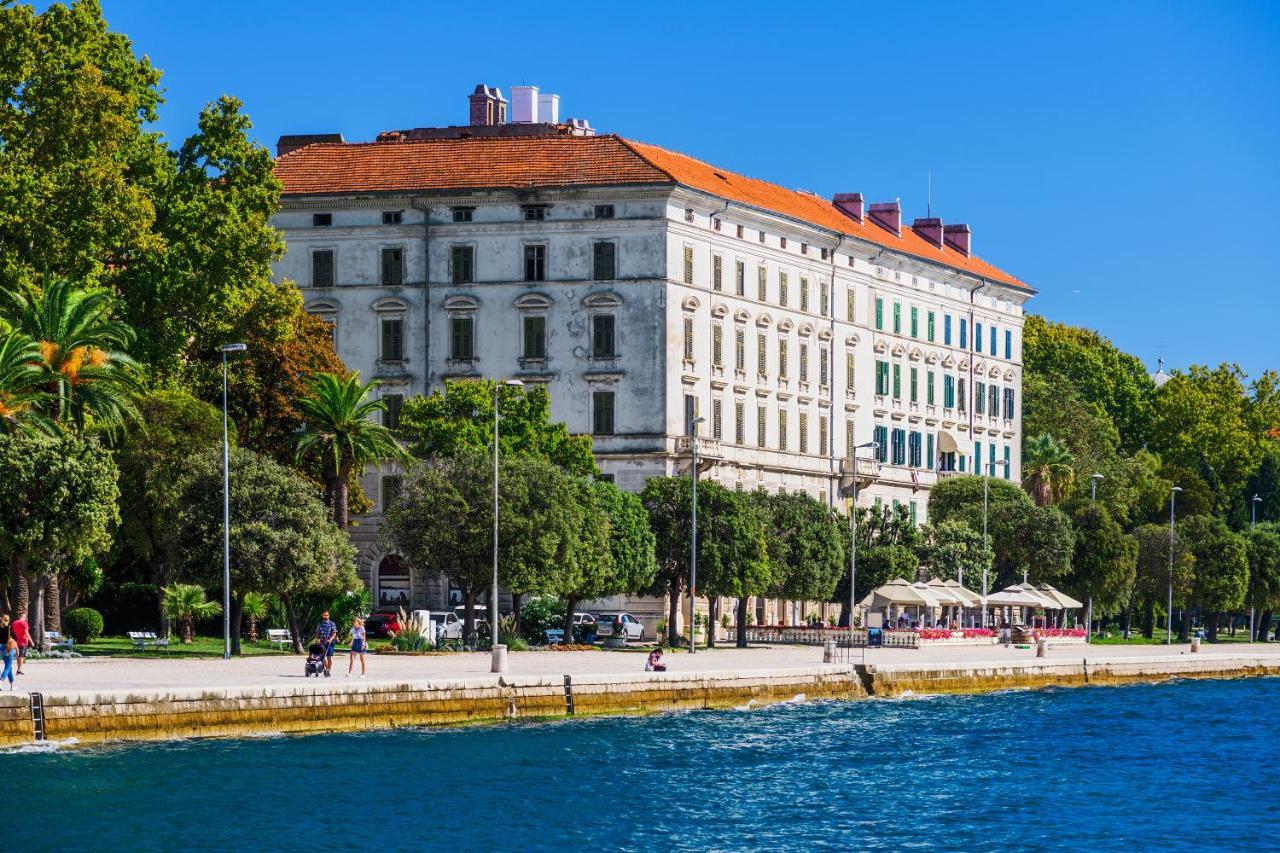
[
  {"x": 327, "y": 636},
  {"x": 22, "y": 634}
]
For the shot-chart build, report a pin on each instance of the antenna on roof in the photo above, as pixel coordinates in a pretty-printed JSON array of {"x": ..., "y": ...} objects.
[{"x": 928, "y": 205}]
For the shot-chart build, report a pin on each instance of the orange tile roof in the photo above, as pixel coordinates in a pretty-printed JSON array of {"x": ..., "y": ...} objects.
[{"x": 551, "y": 161}]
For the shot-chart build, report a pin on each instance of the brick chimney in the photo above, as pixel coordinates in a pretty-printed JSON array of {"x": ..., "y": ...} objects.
[
  {"x": 850, "y": 204},
  {"x": 888, "y": 215},
  {"x": 294, "y": 141},
  {"x": 957, "y": 237},
  {"x": 488, "y": 107},
  {"x": 930, "y": 229}
]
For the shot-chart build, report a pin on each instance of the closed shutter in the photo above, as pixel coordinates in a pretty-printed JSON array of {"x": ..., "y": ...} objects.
[
  {"x": 462, "y": 345},
  {"x": 392, "y": 267},
  {"x": 392, "y": 339},
  {"x": 782, "y": 358},
  {"x": 740, "y": 350},
  {"x": 605, "y": 261},
  {"x": 391, "y": 412},
  {"x": 535, "y": 337},
  {"x": 688, "y": 339},
  {"x": 462, "y": 261},
  {"x": 717, "y": 345},
  {"x": 688, "y": 265},
  {"x": 804, "y": 432},
  {"x": 322, "y": 268},
  {"x": 602, "y": 413},
  {"x": 740, "y": 279},
  {"x": 603, "y": 343},
  {"x": 717, "y": 272}
]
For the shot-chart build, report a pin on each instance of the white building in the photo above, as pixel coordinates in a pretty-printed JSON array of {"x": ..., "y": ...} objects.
[{"x": 645, "y": 287}]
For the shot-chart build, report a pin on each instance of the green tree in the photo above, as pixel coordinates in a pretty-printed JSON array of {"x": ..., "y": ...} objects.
[
  {"x": 1265, "y": 483},
  {"x": 24, "y": 402},
  {"x": 1132, "y": 489},
  {"x": 1154, "y": 573},
  {"x": 1104, "y": 565},
  {"x": 339, "y": 431},
  {"x": 184, "y": 603},
  {"x": 57, "y": 506},
  {"x": 733, "y": 555},
  {"x": 806, "y": 544},
  {"x": 1263, "y": 542},
  {"x": 1047, "y": 472},
  {"x": 877, "y": 565},
  {"x": 953, "y": 551},
  {"x": 1084, "y": 427},
  {"x": 1221, "y": 569},
  {"x": 460, "y": 419},
  {"x": 283, "y": 540}
]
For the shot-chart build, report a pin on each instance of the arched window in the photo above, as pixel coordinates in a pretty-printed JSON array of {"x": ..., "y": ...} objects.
[{"x": 393, "y": 582}]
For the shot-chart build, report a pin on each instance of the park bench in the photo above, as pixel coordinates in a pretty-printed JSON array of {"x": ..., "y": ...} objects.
[
  {"x": 143, "y": 639},
  {"x": 554, "y": 636},
  {"x": 279, "y": 637},
  {"x": 57, "y": 641}
]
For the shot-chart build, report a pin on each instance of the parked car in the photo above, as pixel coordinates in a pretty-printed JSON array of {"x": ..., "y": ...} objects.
[
  {"x": 382, "y": 624},
  {"x": 580, "y": 619},
  {"x": 608, "y": 623},
  {"x": 448, "y": 626}
]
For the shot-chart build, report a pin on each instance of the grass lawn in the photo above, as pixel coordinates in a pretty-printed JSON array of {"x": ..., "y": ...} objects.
[
  {"x": 1158, "y": 639},
  {"x": 203, "y": 647}
]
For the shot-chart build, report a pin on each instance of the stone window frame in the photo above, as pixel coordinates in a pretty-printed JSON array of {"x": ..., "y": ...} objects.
[
  {"x": 606, "y": 303},
  {"x": 461, "y": 307},
  {"x": 392, "y": 308},
  {"x": 534, "y": 305}
]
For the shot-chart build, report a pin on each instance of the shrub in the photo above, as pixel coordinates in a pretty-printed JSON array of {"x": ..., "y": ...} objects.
[
  {"x": 413, "y": 635},
  {"x": 83, "y": 624},
  {"x": 539, "y": 613}
]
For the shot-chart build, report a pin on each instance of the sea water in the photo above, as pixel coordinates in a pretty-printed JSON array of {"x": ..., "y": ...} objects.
[{"x": 1174, "y": 765}]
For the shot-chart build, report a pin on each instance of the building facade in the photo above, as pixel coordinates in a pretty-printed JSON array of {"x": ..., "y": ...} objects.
[{"x": 647, "y": 289}]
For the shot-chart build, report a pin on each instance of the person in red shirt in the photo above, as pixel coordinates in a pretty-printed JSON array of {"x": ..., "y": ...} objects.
[{"x": 21, "y": 633}]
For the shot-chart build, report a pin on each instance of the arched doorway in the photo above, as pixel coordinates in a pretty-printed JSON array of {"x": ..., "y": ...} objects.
[{"x": 393, "y": 582}]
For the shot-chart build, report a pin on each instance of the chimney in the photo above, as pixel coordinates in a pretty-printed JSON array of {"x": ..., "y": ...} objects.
[
  {"x": 930, "y": 229},
  {"x": 888, "y": 215},
  {"x": 294, "y": 141},
  {"x": 524, "y": 104},
  {"x": 850, "y": 204},
  {"x": 488, "y": 107},
  {"x": 957, "y": 237},
  {"x": 549, "y": 109}
]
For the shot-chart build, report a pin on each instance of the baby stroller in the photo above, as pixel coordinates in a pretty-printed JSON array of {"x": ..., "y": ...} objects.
[{"x": 315, "y": 661}]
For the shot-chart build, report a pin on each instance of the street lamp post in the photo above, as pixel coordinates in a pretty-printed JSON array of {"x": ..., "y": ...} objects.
[
  {"x": 1088, "y": 624},
  {"x": 985, "y": 545},
  {"x": 853, "y": 535},
  {"x": 693, "y": 540},
  {"x": 225, "y": 349},
  {"x": 1168, "y": 620},
  {"x": 498, "y": 657},
  {"x": 1253, "y": 522}
]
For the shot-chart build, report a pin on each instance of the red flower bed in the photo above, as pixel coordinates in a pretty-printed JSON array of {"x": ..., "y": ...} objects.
[
  {"x": 971, "y": 633},
  {"x": 1060, "y": 632}
]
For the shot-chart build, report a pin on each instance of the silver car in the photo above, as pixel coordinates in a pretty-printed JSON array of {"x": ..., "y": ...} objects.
[{"x": 631, "y": 627}]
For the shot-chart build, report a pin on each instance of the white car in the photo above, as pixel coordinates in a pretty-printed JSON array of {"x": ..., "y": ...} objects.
[
  {"x": 448, "y": 626},
  {"x": 607, "y": 623}
]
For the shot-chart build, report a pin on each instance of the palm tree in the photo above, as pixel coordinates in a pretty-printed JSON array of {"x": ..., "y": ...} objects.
[
  {"x": 254, "y": 610},
  {"x": 184, "y": 603},
  {"x": 23, "y": 400},
  {"x": 339, "y": 431},
  {"x": 1047, "y": 472},
  {"x": 82, "y": 348}
]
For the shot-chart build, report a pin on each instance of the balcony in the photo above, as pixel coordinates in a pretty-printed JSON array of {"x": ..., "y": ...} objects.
[
  {"x": 865, "y": 471},
  {"x": 709, "y": 451}
]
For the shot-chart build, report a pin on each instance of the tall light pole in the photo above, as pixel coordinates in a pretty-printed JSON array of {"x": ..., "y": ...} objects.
[
  {"x": 693, "y": 547},
  {"x": 1093, "y": 499},
  {"x": 495, "y": 665},
  {"x": 1253, "y": 522},
  {"x": 853, "y": 535},
  {"x": 1168, "y": 620},
  {"x": 986, "y": 547},
  {"x": 226, "y": 508}
]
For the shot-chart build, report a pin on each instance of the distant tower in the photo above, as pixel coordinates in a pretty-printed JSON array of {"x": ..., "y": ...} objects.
[{"x": 1160, "y": 377}]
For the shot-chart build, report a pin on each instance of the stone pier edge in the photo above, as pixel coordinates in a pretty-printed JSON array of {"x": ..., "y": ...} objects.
[{"x": 93, "y": 717}]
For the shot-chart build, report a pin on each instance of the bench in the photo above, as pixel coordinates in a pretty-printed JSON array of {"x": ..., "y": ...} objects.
[
  {"x": 555, "y": 636},
  {"x": 279, "y": 637},
  {"x": 57, "y": 641},
  {"x": 142, "y": 639}
]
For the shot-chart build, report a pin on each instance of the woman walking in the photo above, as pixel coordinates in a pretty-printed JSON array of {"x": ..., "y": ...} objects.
[
  {"x": 358, "y": 643},
  {"x": 10, "y": 655}
]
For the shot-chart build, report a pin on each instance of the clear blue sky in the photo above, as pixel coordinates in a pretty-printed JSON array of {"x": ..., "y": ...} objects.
[{"x": 1119, "y": 157}]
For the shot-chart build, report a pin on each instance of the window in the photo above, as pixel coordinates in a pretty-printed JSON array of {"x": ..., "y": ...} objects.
[
  {"x": 882, "y": 444},
  {"x": 914, "y": 453},
  {"x": 848, "y": 438},
  {"x": 804, "y": 294},
  {"x": 762, "y": 355},
  {"x": 463, "y": 214},
  {"x": 462, "y": 260},
  {"x": 964, "y": 344},
  {"x": 392, "y": 339},
  {"x": 688, "y": 339},
  {"x": 688, "y": 265},
  {"x": 782, "y": 242},
  {"x": 688, "y": 214},
  {"x": 322, "y": 268},
  {"x": 915, "y": 385},
  {"x": 782, "y": 288},
  {"x": 740, "y": 278},
  {"x": 715, "y": 223},
  {"x": 928, "y": 387},
  {"x": 782, "y": 358},
  {"x": 392, "y": 217},
  {"x": 391, "y": 412},
  {"x": 761, "y": 236},
  {"x": 717, "y": 345},
  {"x": 946, "y": 329},
  {"x": 824, "y": 299},
  {"x": 604, "y": 261},
  {"x": 915, "y": 511},
  {"x": 462, "y": 338},
  {"x": 915, "y": 322},
  {"x": 822, "y": 434},
  {"x": 604, "y": 211},
  {"x": 535, "y": 337},
  {"x": 1008, "y": 404},
  {"x": 782, "y": 429},
  {"x": 321, "y": 220},
  {"x": 804, "y": 362},
  {"x": 949, "y": 391},
  {"x": 897, "y": 382},
  {"x": 849, "y": 313},
  {"x": 761, "y": 422},
  {"x": 741, "y": 232},
  {"x": 604, "y": 339},
  {"x": 804, "y": 432},
  {"x": 762, "y": 284},
  {"x": 897, "y": 318},
  {"x": 993, "y": 340},
  {"x": 880, "y": 313},
  {"x": 535, "y": 263},
  {"x": 993, "y": 401},
  {"x": 848, "y": 371},
  {"x": 898, "y": 446},
  {"x": 928, "y": 457},
  {"x": 991, "y": 458},
  {"x": 824, "y": 365},
  {"x": 977, "y": 337},
  {"x": 717, "y": 419},
  {"x": 929, "y": 327},
  {"x": 1007, "y": 475},
  {"x": 392, "y": 267},
  {"x": 962, "y": 396},
  {"x": 882, "y": 378},
  {"x": 602, "y": 413},
  {"x": 390, "y": 494},
  {"x": 739, "y": 422},
  {"x": 980, "y": 398},
  {"x": 534, "y": 212},
  {"x": 717, "y": 272},
  {"x": 690, "y": 413},
  {"x": 740, "y": 350},
  {"x": 1008, "y": 344}
]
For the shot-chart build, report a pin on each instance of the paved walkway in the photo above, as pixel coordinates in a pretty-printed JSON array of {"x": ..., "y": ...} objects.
[{"x": 93, "y": 674}]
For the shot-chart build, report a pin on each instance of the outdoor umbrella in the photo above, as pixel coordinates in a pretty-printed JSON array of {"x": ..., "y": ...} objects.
[
  {"x": 897, "y": 591},
  {"x": 1059, "y": 596}
]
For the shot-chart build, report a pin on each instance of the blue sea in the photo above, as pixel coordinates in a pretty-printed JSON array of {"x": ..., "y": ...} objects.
[{"x": 1178, "y": 765}]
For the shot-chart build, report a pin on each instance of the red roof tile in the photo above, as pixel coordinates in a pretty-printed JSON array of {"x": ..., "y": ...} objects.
[{"x": 552, "y": 161}]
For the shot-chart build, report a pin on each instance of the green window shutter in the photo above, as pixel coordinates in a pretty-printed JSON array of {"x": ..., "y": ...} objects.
[
  {"x": 897, "y": 382},
  {"x": 880, "y": 313}
]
